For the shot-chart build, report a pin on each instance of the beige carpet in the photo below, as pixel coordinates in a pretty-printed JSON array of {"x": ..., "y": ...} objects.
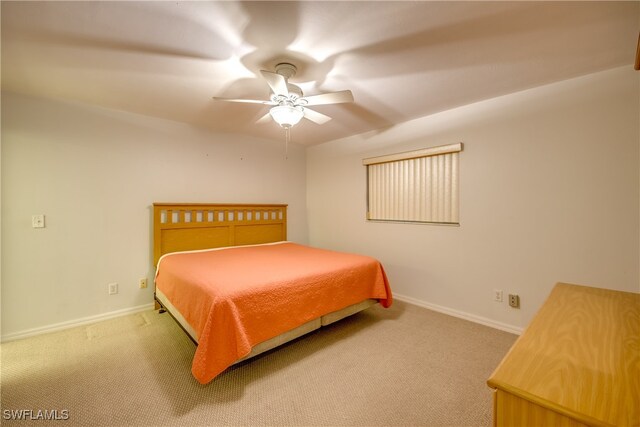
[{"x": 404, "y": 366}]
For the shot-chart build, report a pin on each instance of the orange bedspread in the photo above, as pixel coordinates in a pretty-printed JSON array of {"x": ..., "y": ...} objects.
[{"x": 237, "y": 297}]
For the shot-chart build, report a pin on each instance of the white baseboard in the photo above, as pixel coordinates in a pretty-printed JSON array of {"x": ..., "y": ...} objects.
[
  {"x": 104, "y": 316},
  {"x": 73, "y": 323},
  {"x": 461, "y": 314}
]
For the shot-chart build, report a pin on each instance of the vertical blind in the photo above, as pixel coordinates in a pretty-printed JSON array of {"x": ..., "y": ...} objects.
[{"x": 416, "y": 186}]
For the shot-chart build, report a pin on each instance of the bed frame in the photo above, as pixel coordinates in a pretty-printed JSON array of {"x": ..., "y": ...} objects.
[{"x": 192, "y": 226}]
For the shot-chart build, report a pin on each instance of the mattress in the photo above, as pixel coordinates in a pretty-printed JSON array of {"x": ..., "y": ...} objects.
[{"x": 231, "y": 300}]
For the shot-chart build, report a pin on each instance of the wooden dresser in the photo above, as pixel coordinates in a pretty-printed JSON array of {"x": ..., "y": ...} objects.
[{"x": 577, "y": 363}]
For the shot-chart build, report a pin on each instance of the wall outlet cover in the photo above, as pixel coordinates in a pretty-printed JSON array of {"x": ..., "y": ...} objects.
[
  {"x": 113, "y": 288},
  {"x": 514, "y": 301}
]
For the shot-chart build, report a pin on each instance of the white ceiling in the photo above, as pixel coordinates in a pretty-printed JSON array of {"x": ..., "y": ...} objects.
[{"x": 401, "y": 60}]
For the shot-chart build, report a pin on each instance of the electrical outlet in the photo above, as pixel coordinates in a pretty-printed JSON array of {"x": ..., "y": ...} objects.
[
  {"x": 514, "y": 301},
  {"x": 113, "y": 288},
  {"x": 142, "y": 283},
  {"x": 497, "y": 295}
]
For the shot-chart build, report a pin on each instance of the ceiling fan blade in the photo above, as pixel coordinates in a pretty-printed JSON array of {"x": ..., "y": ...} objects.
[
  {"x": 264, "y": 119},
  {"x": 316, "y": 117},
  {"x": 276, "y": 82},
  {"x": 247, "y": 101},
  {"x": 329, "y": 98}
]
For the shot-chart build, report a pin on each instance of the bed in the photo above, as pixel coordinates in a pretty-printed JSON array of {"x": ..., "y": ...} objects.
[{"x": 227, "y": 274}]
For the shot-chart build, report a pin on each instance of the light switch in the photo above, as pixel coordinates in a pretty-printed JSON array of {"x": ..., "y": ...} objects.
[{"x": 37, "y": 221}]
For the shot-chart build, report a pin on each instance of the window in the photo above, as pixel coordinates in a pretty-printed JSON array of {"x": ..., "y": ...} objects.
[{"x": 416, "y": 186}]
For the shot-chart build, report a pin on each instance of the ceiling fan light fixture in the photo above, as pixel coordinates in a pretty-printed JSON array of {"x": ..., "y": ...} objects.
[{"x": 286, "y": 115}]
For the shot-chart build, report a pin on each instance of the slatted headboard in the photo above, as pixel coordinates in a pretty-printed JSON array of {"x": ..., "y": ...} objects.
[{"x": 191, "y": 226}]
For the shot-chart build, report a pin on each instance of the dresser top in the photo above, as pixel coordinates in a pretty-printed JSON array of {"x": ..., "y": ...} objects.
[{"x": 580, "y": 356}]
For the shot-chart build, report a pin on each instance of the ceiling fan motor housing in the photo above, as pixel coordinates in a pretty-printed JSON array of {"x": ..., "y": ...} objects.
[{"x": 294, "y": 91}]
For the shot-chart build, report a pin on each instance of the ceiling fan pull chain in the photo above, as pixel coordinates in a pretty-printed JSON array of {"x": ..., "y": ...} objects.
[{"x": 287, "y": 137}]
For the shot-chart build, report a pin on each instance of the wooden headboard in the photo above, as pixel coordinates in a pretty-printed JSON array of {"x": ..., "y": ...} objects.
[{"x": 191, "y": 226}]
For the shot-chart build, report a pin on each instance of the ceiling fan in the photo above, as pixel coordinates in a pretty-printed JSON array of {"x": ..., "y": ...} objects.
[{"x": 288, "y": 105}]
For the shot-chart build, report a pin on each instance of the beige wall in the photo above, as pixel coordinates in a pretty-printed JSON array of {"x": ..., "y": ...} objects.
[
  {"x": 94, "y": 173},
  {"x": 549, "y": 192},
  {"x": 550, "y": 189}
]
